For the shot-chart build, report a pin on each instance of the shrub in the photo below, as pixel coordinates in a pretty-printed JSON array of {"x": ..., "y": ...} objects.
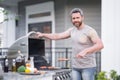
[{"x": 112, "y": 75}]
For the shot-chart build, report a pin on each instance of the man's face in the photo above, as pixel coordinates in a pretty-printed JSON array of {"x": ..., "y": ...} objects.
[{"x": 77, "y": 19}]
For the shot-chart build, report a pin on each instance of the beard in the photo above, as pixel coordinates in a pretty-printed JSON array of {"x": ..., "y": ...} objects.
[{"x": 77, "y": 23}]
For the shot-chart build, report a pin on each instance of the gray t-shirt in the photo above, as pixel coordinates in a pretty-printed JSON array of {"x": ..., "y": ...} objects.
[{"x": 81, "y": 40}]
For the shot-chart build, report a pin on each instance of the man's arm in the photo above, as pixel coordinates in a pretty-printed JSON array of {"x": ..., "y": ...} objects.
[
  {"x": 98, "y": 45},
  {"x": 55, "y": 36}
]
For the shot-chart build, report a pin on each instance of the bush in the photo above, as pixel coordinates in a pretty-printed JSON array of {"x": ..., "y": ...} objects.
[{"x": 112, "y": 75}]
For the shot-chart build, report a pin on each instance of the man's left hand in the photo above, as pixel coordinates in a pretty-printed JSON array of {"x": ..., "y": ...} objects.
[{"x": 81, "y": 54}]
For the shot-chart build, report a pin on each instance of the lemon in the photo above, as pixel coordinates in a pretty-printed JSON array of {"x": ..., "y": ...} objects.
[{"x": 27, "y": 70}]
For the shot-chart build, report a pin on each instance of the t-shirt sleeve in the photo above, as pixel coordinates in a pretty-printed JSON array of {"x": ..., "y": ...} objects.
[{"x": 93, "y": 34}]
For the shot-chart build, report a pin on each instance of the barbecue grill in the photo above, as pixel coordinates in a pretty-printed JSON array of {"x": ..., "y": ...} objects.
[{"x": 29, "y": 46}]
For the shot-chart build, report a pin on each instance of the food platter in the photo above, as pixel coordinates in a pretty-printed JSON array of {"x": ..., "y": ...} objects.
[
  {"x": 37, "y": 73},
  {"x": 23, "y": 73}
]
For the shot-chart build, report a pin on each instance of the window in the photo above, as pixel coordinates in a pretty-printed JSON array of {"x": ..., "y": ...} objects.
[{"x": 40, "y": 15}]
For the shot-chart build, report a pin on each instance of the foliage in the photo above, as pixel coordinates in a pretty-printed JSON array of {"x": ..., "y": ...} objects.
[
  {"x": 5, "y": 12},
  {"x": 101, "y": 76},
  {"x": 6, "y": 18},
  {"x": 112, "y": 75}
]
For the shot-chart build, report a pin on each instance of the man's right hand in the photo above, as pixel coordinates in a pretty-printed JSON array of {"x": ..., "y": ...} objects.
[{"x": 39, "y": 35}]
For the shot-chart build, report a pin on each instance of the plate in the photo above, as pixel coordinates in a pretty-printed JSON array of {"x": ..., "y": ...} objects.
[{"x": 23, "y": 73}]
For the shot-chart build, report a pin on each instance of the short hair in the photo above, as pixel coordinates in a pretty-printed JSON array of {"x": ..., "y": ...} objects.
[{"x": 77, "y": 10}]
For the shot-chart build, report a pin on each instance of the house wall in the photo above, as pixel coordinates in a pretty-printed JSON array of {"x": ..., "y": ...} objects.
[
  {"x": 110, "y": 35},
  {"x": 21, "y": 29},
  {"x": 62, "y": 18},
  {"x": 8, "y": 36}
]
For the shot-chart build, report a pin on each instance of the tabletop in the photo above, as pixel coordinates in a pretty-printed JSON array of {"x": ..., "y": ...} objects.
[{"x": 18, "y": 76}]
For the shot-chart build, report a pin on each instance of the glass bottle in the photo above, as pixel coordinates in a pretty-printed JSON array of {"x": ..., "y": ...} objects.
[
  {"x": 28, "y": 65},
  {"x": 6, "y": 65},
  {"x": 1, "y": 72},
  {"x": 32, "y": 62},
  {"x": 20, "y": 60},
  {"x": 13, "y": 65}
]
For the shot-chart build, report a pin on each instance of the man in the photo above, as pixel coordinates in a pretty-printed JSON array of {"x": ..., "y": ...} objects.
[{"x": 85, "y": 42}]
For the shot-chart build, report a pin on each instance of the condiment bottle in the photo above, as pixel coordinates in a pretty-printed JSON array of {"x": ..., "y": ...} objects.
[
  {"x": 32, "y": 62},
  {"x": 1, "y": 72},
  {"x": 20, "y": 60},
  {"x": 13, "y": 65},
  {"x": 28, "y": 65},
  {"x": 6, "y": 65}
]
